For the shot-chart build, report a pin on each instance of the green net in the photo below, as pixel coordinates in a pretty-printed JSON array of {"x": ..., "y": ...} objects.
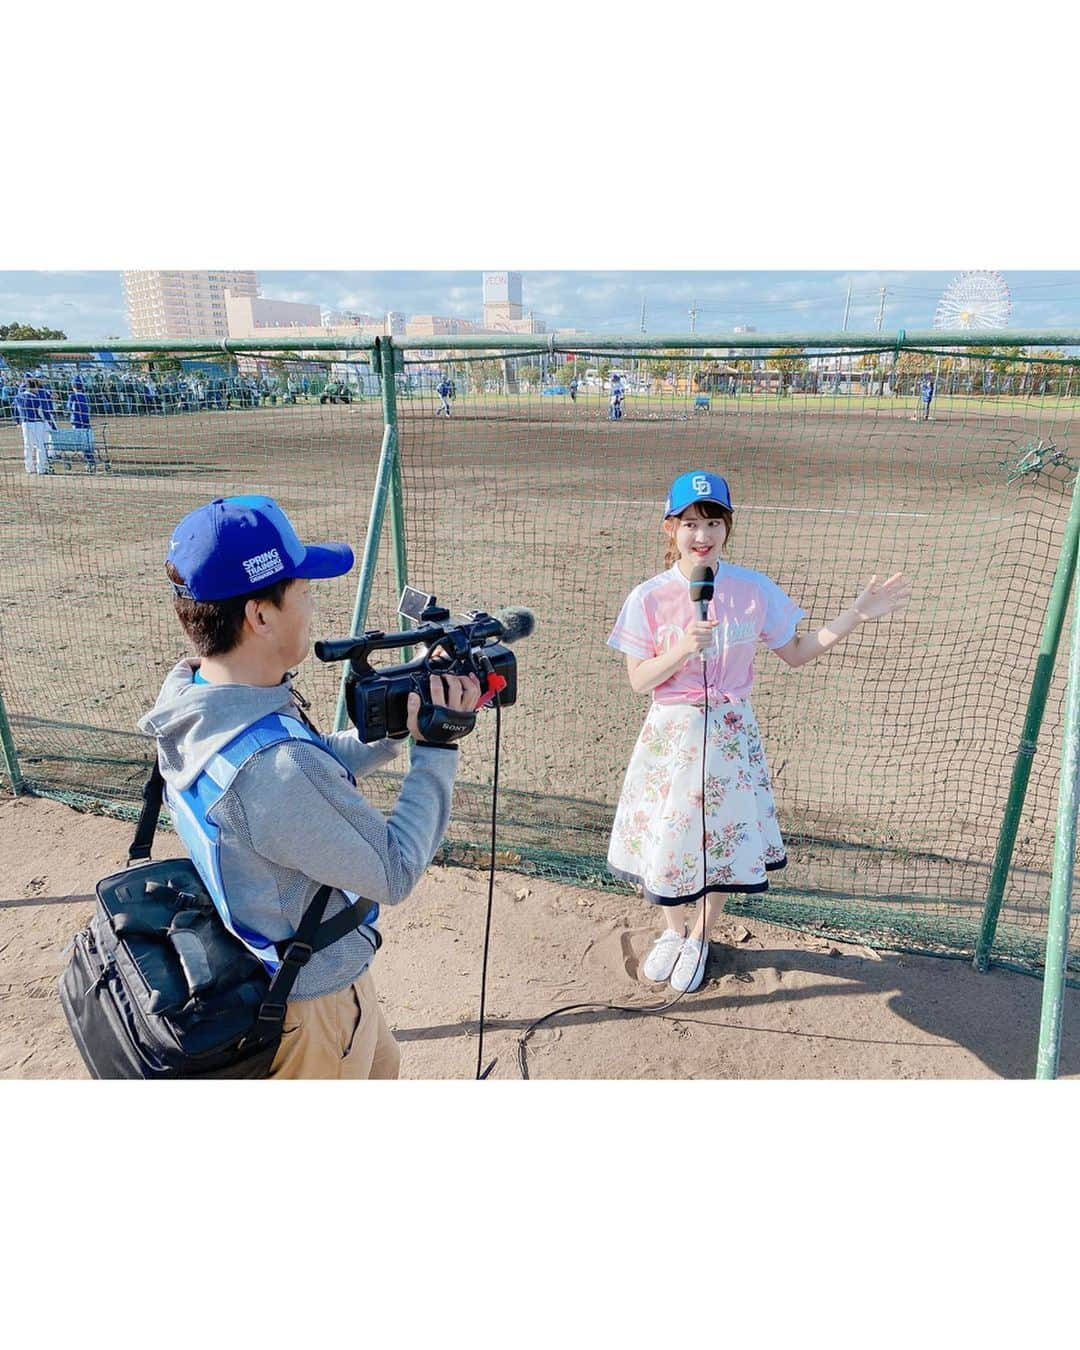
[
  {"x": 86, "y": 618},
  {"x": 890, "y": 758}
]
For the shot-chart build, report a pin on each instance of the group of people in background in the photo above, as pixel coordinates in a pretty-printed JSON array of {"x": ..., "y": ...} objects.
[
  {"x": 34, "y": 408},
  {"x": 133, "y": 393},
  {"x": 36, "y": 400}
]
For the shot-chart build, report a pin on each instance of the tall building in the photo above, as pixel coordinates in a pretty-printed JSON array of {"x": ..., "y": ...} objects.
[
  {"x": 183, "y": 304},
  {"x": 503, "y": 311},
  {"x": 502, "y": 298}
]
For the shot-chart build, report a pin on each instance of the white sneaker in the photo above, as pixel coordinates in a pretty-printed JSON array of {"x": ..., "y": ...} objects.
[
  {"x": 660, "y": 961},
  {"x": 690, "y": 967}
]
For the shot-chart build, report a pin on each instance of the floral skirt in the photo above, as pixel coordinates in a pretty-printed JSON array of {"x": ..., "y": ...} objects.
[{"x": 656, "y": 841}]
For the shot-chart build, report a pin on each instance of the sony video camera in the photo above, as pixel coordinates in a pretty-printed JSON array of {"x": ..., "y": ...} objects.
[{"x": 471, "y": 644}]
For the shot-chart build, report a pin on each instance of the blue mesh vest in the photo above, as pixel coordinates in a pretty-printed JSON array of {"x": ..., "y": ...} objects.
[{"x": 190, "y": 808}]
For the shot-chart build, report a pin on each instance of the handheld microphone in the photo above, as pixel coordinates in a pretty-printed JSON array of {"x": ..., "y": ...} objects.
[
  {"x": 701, "y": 589},
  {"x": 701, "y": 592}
]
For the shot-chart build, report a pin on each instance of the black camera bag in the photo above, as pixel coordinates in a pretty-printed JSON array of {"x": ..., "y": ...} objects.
[{"x": 157, "y": 986}]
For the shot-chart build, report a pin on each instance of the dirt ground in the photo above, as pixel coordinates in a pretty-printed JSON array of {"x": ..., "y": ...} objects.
[
  {"x": 775, "y": 1004},
  {"x": 890, "y": 760}
]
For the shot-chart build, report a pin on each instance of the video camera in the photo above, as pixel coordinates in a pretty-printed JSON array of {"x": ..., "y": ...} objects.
[{"x": 476, "y": 644}]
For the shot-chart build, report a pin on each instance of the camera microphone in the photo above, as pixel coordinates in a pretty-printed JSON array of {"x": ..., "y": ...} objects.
[
  {"x": 517, "y": 622},
  {"x": 513, "y": 623}
]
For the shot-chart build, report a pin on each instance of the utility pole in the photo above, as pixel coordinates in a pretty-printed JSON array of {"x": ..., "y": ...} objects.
[
  {"x": 881, "y": 310},
  {"x": 637, "y": 377},
  {"x": 847, "y": 307},
  {"x": 690, "y": 364}
]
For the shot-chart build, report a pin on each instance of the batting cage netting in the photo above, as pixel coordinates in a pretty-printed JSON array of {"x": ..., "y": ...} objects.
[{"x": 525, "y": 482}]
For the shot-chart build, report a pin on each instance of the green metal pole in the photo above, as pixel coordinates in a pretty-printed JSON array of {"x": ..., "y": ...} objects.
[
  {"x": 1057, "y": 936},
  {"x": 387, "y": 485},
  {"x": 11, "y": 760},
  {"x": 552, "y": 343},
  {"x": 1040, "y": 685},
  {"x": 135, "y": 347},
  {"x": 397, "y": 519},
  {"x": 397, "y": 503}
]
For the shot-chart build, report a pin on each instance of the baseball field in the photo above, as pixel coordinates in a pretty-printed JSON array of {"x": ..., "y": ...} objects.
[{"x": 890, "y": 759}]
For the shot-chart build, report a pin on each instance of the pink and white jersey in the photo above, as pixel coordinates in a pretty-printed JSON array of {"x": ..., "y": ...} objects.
[{"x": 748, "y": 607}]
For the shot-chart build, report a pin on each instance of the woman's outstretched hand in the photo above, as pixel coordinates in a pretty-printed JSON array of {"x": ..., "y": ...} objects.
[{"x": 883, "y": 597}]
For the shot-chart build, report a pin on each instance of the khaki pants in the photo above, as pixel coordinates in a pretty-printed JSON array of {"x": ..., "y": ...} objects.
[{"x": 342, "y": 1035}]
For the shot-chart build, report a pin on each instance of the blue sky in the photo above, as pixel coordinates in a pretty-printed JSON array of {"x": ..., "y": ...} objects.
[{"x": 89, "y": 304}]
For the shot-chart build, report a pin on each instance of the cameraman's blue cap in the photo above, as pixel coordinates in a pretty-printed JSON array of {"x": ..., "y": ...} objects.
[
  {"x": 696, "y": 486},
  {"x": 234, "y": 545}
]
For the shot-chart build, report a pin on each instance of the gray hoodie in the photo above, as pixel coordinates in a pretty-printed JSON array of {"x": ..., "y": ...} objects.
[{"x": 291, "y": 820}]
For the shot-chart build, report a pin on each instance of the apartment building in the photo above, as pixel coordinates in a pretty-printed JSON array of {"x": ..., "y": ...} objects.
[{"x": 181, "y": 304}]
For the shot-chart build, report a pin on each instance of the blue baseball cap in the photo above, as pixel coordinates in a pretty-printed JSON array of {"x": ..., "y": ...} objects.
[
  {"x": 696, "y": 486},
  {"x": 234, "y": 545}
]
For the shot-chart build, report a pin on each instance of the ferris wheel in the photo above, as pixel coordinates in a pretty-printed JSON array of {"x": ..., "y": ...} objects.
[{"x": 975, "y": 300}]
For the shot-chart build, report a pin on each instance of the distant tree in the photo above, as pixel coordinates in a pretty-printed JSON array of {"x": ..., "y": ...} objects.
[
  {"x": 1008, "y": 367},
  {"x": 708, "y": 374},
  {"x": 1047, "y": 373},
  {"x": 793, "y": 363},
  {"x": 22, "y": 332},
  {"x": 670, "y": 362},
  {"x": 482, "y": 373}
]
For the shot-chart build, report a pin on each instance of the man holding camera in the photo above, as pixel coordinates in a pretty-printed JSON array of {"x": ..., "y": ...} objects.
[{"x": 286, "y": 817}]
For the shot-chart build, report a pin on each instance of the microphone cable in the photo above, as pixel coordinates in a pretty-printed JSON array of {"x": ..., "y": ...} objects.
[
  {"x": 497, "y": 701},
  {"x": 642, "y": 1009}
]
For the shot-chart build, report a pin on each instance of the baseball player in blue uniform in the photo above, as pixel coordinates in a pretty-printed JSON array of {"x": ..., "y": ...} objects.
[
  {"x": 444, "y": 390},
  {"x": 78, "y": 406},
  {"x": 28, "y": 411},
  {"x": 926, "y": 391},
  {"x": 48, "y": 413},
  {"x": 615, "y": 402}
]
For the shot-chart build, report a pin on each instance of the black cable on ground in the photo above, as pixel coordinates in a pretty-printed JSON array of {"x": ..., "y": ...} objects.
[
  {"x": 491, "y": 893},
  {"x": 642, "y": 1009}
]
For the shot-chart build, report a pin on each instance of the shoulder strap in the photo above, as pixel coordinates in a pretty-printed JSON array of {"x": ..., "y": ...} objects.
[
  {"x": 311, "y": 936},
  {"x": 154, "y": 788},
  {"x": 294, "y": 958},
  {"x": 148, "y": 817},
  {"x": 273, "y": 729}
]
